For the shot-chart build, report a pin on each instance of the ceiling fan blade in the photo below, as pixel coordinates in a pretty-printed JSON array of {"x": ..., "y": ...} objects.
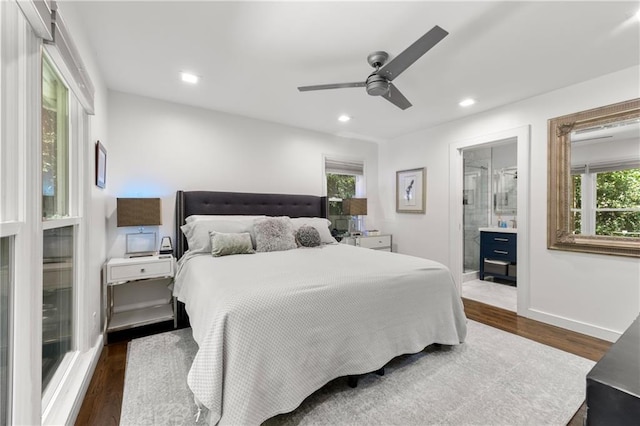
[
  {"x": 395, "y": 97},
  {"x": 331, "y": 86},
  {"x": 412, "y": 53}
]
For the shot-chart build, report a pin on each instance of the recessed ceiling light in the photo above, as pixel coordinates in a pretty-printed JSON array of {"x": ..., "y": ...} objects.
[
  {"x": 467, "y": 102},
  {"x": 344, "y": 118},
  {"x": 189, "y": 78}
]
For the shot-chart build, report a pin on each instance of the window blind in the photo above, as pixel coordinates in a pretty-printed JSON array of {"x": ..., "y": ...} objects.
[
  {"x": 343, "y": 167},
  {"x": 605, "y": 166},
  {"x": 38, "y": 14},
  {"x": 68, "y": 61}
]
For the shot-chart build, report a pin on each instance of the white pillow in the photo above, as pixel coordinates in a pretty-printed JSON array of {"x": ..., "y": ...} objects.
[
  {"x": 198, "y": 217},
  {"x": 197, "y": 232},
  {"x": 320, "y": 223}
]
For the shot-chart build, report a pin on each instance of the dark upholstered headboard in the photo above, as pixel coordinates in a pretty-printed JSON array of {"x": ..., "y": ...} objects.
[
  {"x": 239, "y": 203},
  {"x": 242, "y": 203}
]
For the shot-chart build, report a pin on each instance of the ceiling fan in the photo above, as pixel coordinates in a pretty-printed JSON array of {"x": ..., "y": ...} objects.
[{"x": 379, "y": 82}]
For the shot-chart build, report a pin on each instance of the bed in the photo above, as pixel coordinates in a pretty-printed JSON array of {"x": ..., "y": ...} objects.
[{"x": 273, "y": 327}]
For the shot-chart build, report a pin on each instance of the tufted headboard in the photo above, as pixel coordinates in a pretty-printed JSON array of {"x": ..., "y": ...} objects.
[
  {"x": 238, "y": 203},
  {"x": 242, "y": 203}
]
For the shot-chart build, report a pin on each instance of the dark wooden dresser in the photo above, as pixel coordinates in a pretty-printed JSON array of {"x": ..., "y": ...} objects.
[{"x": 613, "y": 385}]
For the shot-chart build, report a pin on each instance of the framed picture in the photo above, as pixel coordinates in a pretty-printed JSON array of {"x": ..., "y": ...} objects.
[
  {"x": 411, "y": 191},
  {"x": 101, "y": 165}
]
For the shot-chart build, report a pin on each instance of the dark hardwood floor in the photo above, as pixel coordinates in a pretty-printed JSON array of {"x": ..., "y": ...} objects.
[{"x": 103, "y": 400}]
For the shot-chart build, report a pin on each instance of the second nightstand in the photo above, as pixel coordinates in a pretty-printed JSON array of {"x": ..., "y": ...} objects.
[
  {"x": 130, "y": 272},
  {"x": 377, "y": 242}
]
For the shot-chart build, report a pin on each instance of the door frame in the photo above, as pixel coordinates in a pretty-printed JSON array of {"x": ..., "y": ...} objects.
[{"x": 456, "y": 176}]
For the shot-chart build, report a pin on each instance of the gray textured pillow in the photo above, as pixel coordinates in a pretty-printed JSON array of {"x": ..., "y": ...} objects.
[
  {"x": 225, "y": 244},
  {"x": 308, "y": 236},
  {"x": 274, "y": 234}
]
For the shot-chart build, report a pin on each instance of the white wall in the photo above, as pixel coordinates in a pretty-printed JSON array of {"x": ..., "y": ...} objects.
[
  {"x": 594, "y": 294},
  {"x": 159, "y": 147}
]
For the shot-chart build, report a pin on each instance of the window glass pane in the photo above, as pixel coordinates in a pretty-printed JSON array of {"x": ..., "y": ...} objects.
[
  {"x": 57, "y": 298},
  {"x": 6, "y": 277},
  {"x": 577, "y": 191},
  {"x": 618, "y": 189},
  {"x": 339, "y": 187},
  {"x": 55, "y": 144},
  {"x": 576, "y": 221},
  {"x": 618, "y": 223}
]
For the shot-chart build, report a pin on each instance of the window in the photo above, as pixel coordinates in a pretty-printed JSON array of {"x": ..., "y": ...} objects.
[
  {"x": 345, "y": 179},
  {"x": 58, "y": 262},
  {"x": 606, "y": 200},
  {"x": 6, "y": 279},
  {"x": 55, "y": 144},
  {"x": 57, "y": 299}
]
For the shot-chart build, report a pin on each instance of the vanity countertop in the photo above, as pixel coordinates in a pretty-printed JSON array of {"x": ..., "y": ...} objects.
[{"x": 496, "y": 229}]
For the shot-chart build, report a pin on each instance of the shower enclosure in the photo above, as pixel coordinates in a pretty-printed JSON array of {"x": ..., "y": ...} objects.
[{"x": 475, "y": 199}]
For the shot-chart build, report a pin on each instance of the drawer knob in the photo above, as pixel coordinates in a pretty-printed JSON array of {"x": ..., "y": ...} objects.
[{"x": 141, "y": 269}]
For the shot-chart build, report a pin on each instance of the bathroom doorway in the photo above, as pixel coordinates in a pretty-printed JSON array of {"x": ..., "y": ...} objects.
[
  {"x": 489, "y": 193},
  {"x": 489, "y": 203}
]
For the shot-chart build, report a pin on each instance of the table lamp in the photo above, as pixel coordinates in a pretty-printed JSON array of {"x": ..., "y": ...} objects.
[
  {"x": 355, "y": 207},
  {"x": 139, "y": 212}
]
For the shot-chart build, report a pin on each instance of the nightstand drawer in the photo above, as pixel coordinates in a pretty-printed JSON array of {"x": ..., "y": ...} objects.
[
  {"x": 378, "y": 242},
  {"x": 139, "y": 270}
]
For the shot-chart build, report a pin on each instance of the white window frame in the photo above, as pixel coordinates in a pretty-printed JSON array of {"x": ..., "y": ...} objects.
[
  {"x": 19, "y": 217},
  {"x": 77, "y": 136}
]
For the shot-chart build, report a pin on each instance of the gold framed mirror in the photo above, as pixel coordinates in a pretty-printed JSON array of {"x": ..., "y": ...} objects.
[{"x": 594, "y": 181}]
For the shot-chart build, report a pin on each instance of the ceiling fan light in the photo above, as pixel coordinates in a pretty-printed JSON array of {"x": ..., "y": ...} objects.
[
  {"x": 377, "y": 85},
  {"x": 467, "y": 102}
]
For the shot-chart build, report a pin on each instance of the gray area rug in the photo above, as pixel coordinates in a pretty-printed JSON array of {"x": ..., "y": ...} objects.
[{"x": 494, "y": 378}]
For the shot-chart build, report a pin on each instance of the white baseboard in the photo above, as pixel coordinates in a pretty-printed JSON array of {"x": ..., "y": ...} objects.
[
  {"x": 573, "y": 325},
  {"x": 65, "y": 407}
]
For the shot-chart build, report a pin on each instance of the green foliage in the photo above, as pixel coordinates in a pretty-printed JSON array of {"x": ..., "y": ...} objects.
[
  {"x": 618, "y": 190},
  {"x": 341, "y": 186}
]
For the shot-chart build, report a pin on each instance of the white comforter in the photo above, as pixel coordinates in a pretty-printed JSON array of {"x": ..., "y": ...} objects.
[{"x": 274, "y": 327}]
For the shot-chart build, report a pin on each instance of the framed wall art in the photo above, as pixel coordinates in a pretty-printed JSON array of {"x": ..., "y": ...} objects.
[
  {"x": 411, "y": 191},
  {"x": 101, "y": 165}
]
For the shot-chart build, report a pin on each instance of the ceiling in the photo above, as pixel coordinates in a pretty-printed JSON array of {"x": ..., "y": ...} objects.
[{"x": 252, "y": 56}]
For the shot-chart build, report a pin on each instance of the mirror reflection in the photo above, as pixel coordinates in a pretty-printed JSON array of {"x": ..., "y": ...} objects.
[{"x": 605, "y": 177}]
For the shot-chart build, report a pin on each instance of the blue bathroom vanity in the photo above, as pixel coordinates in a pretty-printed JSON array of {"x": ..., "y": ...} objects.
[{"x": 498, "y": 253}]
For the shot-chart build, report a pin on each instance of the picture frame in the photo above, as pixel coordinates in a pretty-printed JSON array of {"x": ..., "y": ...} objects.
[
  {"x": 411, "y": 191},
  {"x": 101, "y": 165}
]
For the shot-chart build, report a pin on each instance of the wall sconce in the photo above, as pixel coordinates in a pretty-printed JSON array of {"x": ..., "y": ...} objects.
[
  {"x": 355, "y": 207},
  {"x": 139, "y": 212}
]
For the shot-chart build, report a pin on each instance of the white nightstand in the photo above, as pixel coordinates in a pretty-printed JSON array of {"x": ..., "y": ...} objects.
[
  {"x": 136, "y": 271},
  {"x": 377, "y": 242}
]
